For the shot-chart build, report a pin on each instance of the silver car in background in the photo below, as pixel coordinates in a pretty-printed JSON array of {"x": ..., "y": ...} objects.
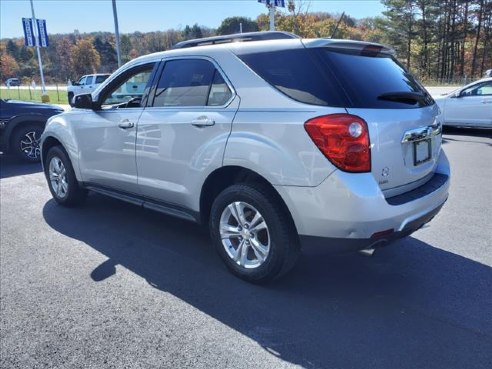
[{"x": 273, "y": 141}]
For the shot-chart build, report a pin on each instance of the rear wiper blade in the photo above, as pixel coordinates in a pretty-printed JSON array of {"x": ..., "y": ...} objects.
[{"x": 405, "y": 97}]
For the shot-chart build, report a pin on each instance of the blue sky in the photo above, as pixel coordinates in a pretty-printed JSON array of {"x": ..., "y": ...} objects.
[{"x": 64, "y": 16}]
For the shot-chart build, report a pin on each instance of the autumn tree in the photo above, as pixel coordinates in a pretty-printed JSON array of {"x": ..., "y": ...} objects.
[
  {"x": 109, "y": 60},
  {"x": 85, "y": 57},
  {"x": 26, "y": 54},
  {"x": 64, "y": 58},
  {"x": 125, "y": 48},
  {"x": 12, "y": 48},
  {"x": 8, "y": 66}
]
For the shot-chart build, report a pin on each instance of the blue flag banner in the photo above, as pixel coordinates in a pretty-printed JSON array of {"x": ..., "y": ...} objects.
[
  {"x": 277, "y": 3},
  {"x": 28, "y": 34},
  {"x": 42, "y": 33}
]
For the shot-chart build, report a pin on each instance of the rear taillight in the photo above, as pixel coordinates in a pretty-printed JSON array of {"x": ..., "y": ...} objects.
[{"x": 343, "y": 139}]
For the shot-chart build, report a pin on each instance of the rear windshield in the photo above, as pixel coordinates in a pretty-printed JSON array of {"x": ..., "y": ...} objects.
[{"x": 339, "y": 78}]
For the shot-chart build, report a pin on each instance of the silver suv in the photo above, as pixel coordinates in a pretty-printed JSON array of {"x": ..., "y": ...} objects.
[{"x": 271, "y": 140}]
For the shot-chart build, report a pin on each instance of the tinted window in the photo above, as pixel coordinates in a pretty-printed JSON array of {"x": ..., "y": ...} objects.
[
  {"x": 190, "y": 82},
  {"x": 101, "y": 79},
  {"x": 374, "y": 80},
  {"x": 339, "y": 78},
  {"x": 297, "y": 74},
  {"x": 89, "y": 79}
]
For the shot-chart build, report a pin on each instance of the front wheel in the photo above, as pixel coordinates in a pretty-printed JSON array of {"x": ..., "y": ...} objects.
[
  {"x": 25, "y": 143},
  {"x": 253, "y": 233},
  {"x": 62, "y": 182}
]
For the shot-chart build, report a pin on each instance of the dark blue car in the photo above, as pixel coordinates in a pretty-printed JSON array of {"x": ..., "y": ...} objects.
[{"x": 21, "y": 125}]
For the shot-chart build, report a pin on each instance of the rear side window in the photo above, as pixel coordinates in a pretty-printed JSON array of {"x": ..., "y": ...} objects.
[
  {"x": 339, "y": 78},
  {"x": 191, "y": 82},
  {"x": 89, "y": 79},
  {"x": 101, "y": 79},
  {"x": 296, "y": 74}
]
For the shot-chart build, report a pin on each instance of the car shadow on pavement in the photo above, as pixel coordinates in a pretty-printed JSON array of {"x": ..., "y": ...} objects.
[
  {"x": 410, "y": 305},
  {"x": 10, "y": 166}
]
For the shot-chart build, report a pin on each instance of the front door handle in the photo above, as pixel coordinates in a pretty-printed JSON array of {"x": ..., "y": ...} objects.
[
  {"x": 486, "y": 101},
  {"x": 203, "y": 121},
  {"x": 125, "y": 124}
]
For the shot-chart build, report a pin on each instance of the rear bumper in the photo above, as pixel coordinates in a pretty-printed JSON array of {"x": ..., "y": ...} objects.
[
  {"x": 349, "y": 211},
  {"x": 314, "y": 244}
]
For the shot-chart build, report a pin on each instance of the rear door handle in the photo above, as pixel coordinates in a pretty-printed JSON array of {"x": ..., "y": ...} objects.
[
  {"x": 486, "y": 101},
  {"x": 203, "y": 121},
  {"x": 125, "y": 124}
]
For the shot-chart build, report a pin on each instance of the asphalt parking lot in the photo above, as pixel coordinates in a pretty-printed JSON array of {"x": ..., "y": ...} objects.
[{"x": 110, "y": 285}]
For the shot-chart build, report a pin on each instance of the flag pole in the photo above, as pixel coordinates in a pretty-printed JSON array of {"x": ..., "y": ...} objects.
[{"x": 35, "y": 30}]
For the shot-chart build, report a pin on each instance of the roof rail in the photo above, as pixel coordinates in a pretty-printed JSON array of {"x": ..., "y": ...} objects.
[{"x": 238, "y": 37}]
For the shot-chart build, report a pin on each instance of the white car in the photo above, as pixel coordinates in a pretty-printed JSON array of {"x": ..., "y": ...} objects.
[
  {"x": 469, "y": 106},
  {"x": 85, "y": 85}
]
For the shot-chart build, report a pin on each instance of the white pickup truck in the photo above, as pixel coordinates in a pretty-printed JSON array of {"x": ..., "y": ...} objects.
[{"x": 85, "y": 85}]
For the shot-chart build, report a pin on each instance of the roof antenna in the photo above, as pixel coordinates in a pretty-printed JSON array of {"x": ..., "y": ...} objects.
[{"x": 338, "y": 23}]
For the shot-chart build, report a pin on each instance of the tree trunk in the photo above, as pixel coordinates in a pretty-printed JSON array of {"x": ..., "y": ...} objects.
[
  {"x": 477, "y": 37},
  {"x": 488, "y": 26},
  {"x": 465, "y": 32}
]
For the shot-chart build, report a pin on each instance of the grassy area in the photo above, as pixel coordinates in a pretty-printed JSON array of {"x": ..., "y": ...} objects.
[{"x": 26, "y": 94}]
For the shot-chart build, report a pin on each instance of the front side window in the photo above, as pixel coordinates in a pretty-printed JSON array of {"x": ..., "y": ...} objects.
[
  {"x": 128, "y": 89},
  {"x": 81, "y": 81},
  {"x": 479, "y": 89},
  {"x": 191, "y": 82}
]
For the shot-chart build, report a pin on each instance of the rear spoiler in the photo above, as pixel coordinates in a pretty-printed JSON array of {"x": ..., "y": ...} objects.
[{"x": 364, "y": 48}]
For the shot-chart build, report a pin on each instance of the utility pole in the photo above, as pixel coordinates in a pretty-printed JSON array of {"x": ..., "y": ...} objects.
[
  {"x": 116, "y": 32},
  {"x": 35, "y": 31}
]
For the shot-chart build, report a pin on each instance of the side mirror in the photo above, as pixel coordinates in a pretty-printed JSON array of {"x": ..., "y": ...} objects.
[{"x": 83, "y": 101}]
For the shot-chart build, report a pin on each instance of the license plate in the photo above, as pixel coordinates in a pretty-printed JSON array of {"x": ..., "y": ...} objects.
[{"x": 421, "y": 152}]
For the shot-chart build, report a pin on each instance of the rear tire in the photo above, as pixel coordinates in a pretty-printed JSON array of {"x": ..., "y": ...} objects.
[
  {"x": 253, "y": 233},
  {"x": 25, "y": 142},
  {"x": 62, "y": 182}
]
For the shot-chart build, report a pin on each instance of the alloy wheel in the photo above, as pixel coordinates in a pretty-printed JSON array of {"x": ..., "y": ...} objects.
[
  {"x": 30, "y": 145},
  {"x": 58, "y": 177},
  {"x": 244, "y": 234}
]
